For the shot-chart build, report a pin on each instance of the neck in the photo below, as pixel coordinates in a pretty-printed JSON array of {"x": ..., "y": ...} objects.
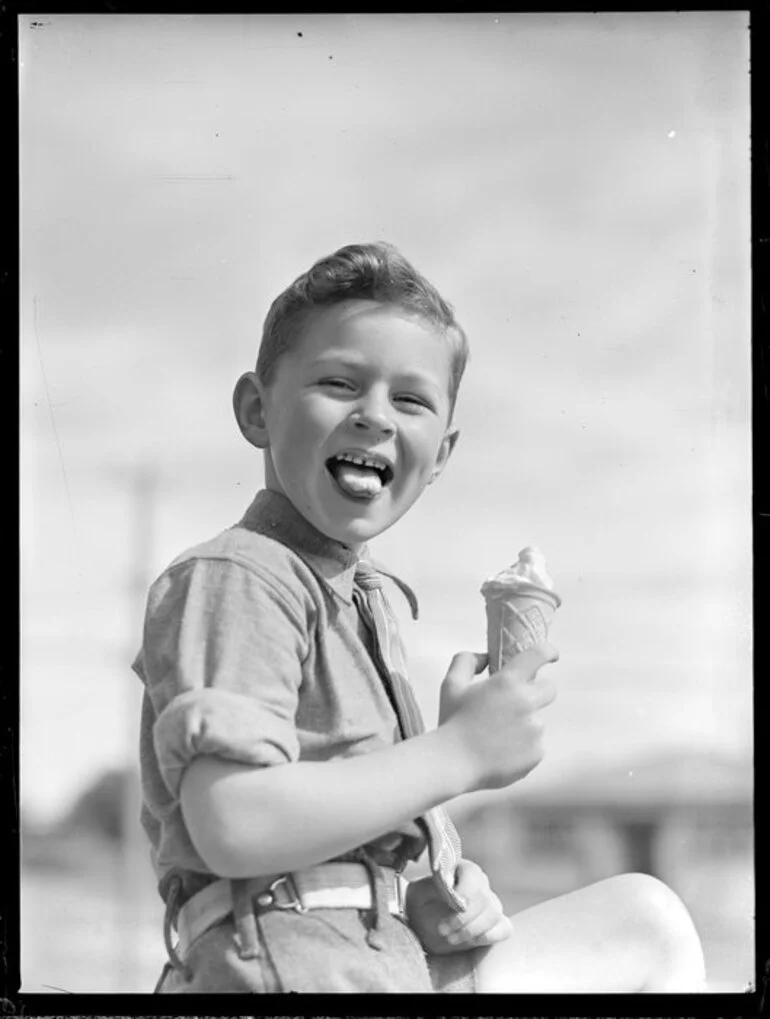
[{"x": 274, "y": 485}]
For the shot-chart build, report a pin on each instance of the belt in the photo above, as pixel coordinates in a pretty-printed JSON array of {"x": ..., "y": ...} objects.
[{"x": 327, "y": 886}]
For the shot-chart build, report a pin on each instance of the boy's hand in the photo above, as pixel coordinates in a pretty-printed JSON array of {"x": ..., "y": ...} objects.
[
  {"x": 494, "y": 723},
  {"x": 441, "y": 930}
]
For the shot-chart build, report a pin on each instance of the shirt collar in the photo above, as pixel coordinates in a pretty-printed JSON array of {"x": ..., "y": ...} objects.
[{"x": 274, "y": 515}]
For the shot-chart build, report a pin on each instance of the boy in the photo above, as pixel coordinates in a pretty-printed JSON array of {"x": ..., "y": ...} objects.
[{"x": 287, "y": 782}]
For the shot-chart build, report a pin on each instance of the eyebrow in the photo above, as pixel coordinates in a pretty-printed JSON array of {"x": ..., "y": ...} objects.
[{"x": 346, "y": 359}]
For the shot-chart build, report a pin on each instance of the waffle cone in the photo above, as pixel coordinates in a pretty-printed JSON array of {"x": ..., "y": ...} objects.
[{"x": 517, "y": 620}]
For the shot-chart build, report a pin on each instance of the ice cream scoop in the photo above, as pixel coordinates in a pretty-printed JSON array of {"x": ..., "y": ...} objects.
[
  {"x": 520, "y": 603},
  {"x": 530, "y": 568}
]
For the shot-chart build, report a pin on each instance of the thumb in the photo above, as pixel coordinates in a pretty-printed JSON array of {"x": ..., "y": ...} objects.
[
  {"x": 460, "y": 675},
  {"x": 464, "y": 666}
]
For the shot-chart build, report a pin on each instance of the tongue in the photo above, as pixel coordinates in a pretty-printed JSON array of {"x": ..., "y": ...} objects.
[{"x": 356, "y": 481}]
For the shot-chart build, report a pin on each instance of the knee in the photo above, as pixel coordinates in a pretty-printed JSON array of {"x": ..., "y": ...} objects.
[
  {"x": 654, "y": 905},
  {"x": 661, "y": 924}
]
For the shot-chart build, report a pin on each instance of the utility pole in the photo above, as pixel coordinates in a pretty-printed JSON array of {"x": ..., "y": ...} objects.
[{"x": 133, "y": 868}]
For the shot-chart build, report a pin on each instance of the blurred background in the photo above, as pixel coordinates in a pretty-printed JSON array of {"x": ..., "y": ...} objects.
[{"x": 578, "y": 186}]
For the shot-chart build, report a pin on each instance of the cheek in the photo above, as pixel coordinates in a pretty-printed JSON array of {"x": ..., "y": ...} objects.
[
  {"x": 314, "y": 418},
  {"x": 424, "y": 446},
  {"x": 297, "y": 434}
]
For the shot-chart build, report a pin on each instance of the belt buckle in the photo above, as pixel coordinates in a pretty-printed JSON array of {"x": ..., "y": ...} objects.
[
  {"x": 401, "y": 885},
  {"x": 269, "y": 900}
]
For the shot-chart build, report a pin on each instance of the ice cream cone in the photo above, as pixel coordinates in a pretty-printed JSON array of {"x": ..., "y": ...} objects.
[
  {"x": 516, "y": 621},
  {"x": 520, "y": 603}
]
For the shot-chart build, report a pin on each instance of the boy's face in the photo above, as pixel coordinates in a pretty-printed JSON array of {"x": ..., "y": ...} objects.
[{"x": 366, "y": 383}]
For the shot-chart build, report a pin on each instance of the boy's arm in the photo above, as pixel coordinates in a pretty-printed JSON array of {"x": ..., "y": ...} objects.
[{"x": 246, "y": 821}]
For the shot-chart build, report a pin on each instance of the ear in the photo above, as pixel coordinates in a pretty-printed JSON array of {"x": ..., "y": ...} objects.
[
  {"x": 448, "y": 443},
  {"x": 249, "y": 408}
]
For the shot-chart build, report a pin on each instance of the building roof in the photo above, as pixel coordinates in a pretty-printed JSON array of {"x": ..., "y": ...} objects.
[{"x": 674, "y": 779}]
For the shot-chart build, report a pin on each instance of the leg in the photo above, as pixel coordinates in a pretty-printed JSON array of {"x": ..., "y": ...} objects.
[{"x": 627, "y": 934}]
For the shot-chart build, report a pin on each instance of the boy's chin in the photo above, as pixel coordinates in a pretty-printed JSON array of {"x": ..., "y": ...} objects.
[{"x": 354, "y": 521}]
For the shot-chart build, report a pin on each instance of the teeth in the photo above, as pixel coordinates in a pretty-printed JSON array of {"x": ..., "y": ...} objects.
[{"x": 363, "y": 461}]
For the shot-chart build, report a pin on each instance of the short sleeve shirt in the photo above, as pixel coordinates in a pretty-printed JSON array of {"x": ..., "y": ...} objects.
[{"x": 253, "y": 651}]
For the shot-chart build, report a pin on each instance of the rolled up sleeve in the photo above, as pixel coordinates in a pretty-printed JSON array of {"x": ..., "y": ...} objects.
[{"x": 222, "y": 663}]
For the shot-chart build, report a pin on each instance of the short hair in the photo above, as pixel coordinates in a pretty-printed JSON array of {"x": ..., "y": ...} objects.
[{"x": 377, "y": 272}]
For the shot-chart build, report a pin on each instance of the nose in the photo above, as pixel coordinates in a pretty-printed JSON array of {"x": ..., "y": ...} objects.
[{"x": 371, "y": 415}]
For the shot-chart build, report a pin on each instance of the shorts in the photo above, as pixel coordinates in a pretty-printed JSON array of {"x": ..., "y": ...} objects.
[{"x": 321, "y": 951}]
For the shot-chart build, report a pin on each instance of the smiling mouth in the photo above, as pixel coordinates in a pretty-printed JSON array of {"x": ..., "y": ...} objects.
[{"x": 359, "y": 475}]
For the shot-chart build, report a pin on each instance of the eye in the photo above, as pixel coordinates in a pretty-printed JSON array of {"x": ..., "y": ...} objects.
[
  {"x": 336, "y": 383},
  {"x": 414, "y": 401}
]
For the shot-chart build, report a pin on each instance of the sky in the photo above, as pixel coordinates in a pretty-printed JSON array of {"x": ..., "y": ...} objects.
[{"x": 576, "y": 185}]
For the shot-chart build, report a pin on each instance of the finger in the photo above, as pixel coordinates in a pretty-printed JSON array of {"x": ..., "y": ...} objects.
[
  {"x": 464, "y": 666},
  {"x": 483, "y": 909},
  {"x": 476, "y": 906},
  {"x": 470, "y": 877},
  {"x": 499, "y": 932},
  {"x": 478, "y": 926},
  {"x": 472, "y": 886},
  {"x": 471, "y": 883}
]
